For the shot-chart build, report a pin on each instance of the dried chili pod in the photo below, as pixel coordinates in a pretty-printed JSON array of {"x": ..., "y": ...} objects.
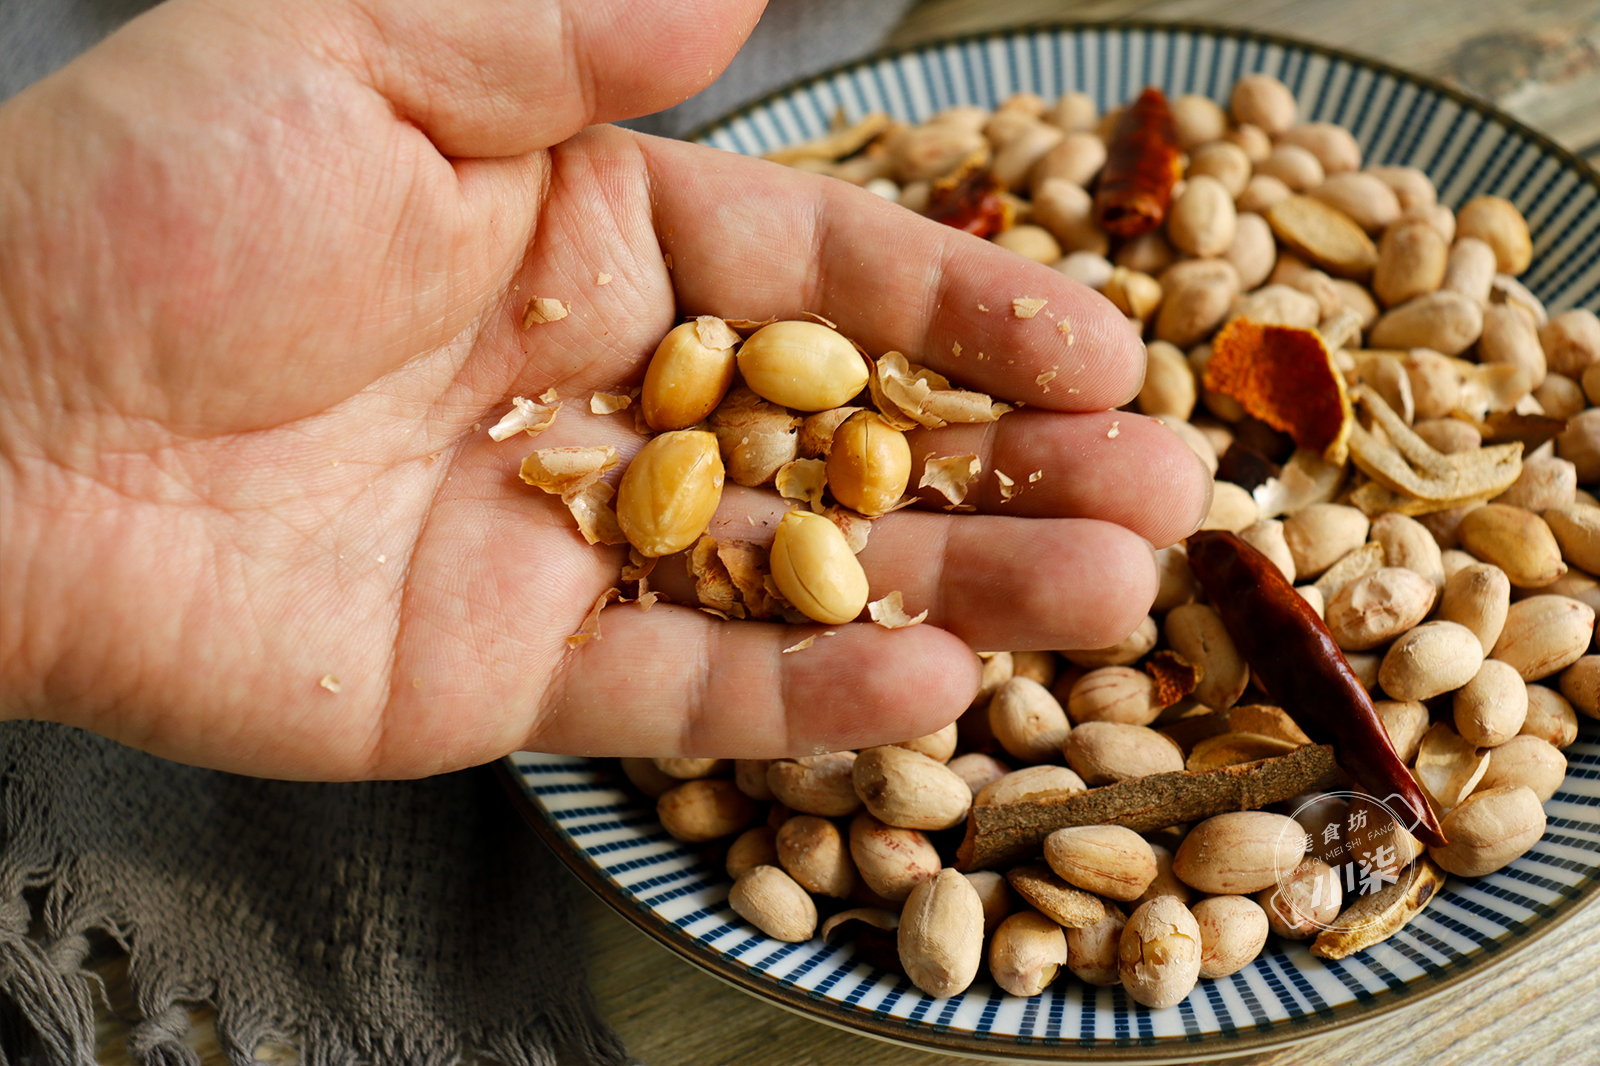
[
  {"x": 1142, "y": 165},
  {"x": 1295, "y": 659},
  {"x": 970, "y": 200}
]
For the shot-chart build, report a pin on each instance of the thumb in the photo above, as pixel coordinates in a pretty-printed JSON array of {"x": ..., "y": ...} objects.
[{"x": 486, "y": 78}]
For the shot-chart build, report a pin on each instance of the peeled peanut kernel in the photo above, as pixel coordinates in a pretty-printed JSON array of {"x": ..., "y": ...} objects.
[
  {"x": 756, "y": 846},
  {"x": 1113, "y": 694},
  {"x": 1254, "y": 251},
  {"x": 1303, "y": 901},
  {"x": 1169, "y": 385},
  {"x": 1201, "y": 221},
  {"x": 1405, "y": 721},
  {"x": 1470, "y": 269},
  {"x": 1158, "y": 956},
  {"x": 1129, "y": 649},
  {"x": 1367, "y": 200},
  {"x": 891, "y": 861},
  {"x": 1134, "y": 293},
  {"x": 1571, "y": 342},
  {"x": 980, "y": 771},
  {"x": 1444, "y": 321},
  {"x": 705, "y": 809},
  {"x": 1321, "y": 534},
  {"x": 1580, "y": 683},
  {"x": 814, "y": 568},
  {"x": 1490, "y": 709},
  {"x": 1411, "y": 261},
  {"x": 869, "y": 464},
  {"x": 816, "y": 784},
  {"x": 1576, "y": 528},
  {"x": 1104, "y": 752},
  {"x": 1092, "y": 949},
  {"x": 1550, "y": 717},
  {"x": 1028, "y": 782},
  {"x": 1195, "y": 631},
  {"x": 770, "y": 900},
  {"x": 802, "y": 365},
  {"x": 1296, "y": 167},
  {"x": 1407, "y": 542},
  {"x": 1374, "y": 609},
  {"x": 686, "y": 378},
  {"x": 813, "y": 852},
  {"x": 670, "y": 491},
  {"x": 1545, "y": 483},
  {"x": 1224, "y": 161},
  {"x": 938, "y": 746},
  {"x": 1233, "y": 930}
]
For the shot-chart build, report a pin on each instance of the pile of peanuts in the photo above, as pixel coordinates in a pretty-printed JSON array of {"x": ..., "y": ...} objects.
[{"x": 1471, "y": 624}]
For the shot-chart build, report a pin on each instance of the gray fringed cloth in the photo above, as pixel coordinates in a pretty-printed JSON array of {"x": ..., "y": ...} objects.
[{"x": 385, "y": 923}]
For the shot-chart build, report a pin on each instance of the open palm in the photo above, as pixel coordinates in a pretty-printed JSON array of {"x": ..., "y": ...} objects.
[{"x": 262, "y": 270}]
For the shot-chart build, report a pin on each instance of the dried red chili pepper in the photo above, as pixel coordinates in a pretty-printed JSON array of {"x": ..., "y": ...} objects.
[
  {"x": 970, "y": 201},
  {"x": 1142, "y": 165},
  {"x": 1295, "y": 659}
]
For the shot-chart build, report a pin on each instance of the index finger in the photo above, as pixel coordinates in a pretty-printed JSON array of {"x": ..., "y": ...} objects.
[{"x": 756, "y": 239}]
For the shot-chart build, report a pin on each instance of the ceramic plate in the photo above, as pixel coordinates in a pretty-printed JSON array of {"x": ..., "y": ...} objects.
[{"x": 612, "y": 839}]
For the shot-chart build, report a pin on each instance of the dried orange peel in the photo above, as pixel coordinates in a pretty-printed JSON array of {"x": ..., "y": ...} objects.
[{"x": 1286, "y": 377}]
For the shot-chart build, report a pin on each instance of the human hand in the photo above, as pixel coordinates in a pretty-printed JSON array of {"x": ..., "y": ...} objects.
[{"x": 261, "y": 275}]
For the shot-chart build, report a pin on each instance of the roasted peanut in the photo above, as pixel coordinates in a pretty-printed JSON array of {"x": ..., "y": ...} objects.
[
  {"x": 1103, "y": 752},
  {"x": 1489, "y": 830},
  {"x": 941, "y": 934},
  {"x": 1107, "y": 860},
  {"x": 1158, "y": 956},
  {"x": 1028, "y": 721},
  {"x": 1497, "y": 221},
  {"x": 1028, "y": 782},
  {"x": 1236, "y": 854},
  {"x": 1528, "y": 761},
  {"x": 1196, "y": 632},
  {"x": 1027, "y": 952},
  {"x": 1233, "y": 930},
  {"x": 1545, "y": 634},
  {"x": 816, "y": 784},
  {"x": 770, "y": 900},
  {"x": 704, "y": 809},
  {"x": 891, "y": 861}
]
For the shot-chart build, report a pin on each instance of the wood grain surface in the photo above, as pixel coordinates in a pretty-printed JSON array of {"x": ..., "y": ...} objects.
[{"x": 1539, "y": 60}]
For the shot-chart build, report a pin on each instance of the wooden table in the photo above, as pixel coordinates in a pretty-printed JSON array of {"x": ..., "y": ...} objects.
[{"x": 1541, "y": 62}]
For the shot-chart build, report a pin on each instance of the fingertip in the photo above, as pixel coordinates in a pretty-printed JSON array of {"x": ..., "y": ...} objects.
[{"x": 902, "y": 684}]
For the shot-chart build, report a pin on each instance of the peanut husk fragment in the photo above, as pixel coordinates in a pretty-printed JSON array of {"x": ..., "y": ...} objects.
[
  {"x": 748, "y": 566},
  {"x": 1007, "y": 832},
  {"x": 1068, "y": 907},
  {"x": 1258, "y": 718},
  {"x": 803, "y": 479},
  {"x": 525, "y": 416},
  {"x": 574, "y": 475},
  {"x": 1531, "y": 431},
  {"x": 1175, "y": 677},
  {"x": 1410, "y": 467},
  {"x": 1376, "y": 917},
  {"x": 590, "y": 627},
  {"x": 874, "y": 932},
  {"x": 713, "y": 585},
  {"x": 890, "y": 612},
  {"x": 908, "y": 395},
  {"x": 838, "y": 143},
  {"x": 951, "y": 475},
  {"x": 1231, "y": 749}
]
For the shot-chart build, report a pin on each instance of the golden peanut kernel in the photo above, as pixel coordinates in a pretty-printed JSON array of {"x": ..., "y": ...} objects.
[
  {"x": 815, "y": 569},
  {"x": 803, "y": 365},
  {"x": 670, "y": 491},
  {"x": 869, "y": 464},
  {"x": 686, "y": 378}
]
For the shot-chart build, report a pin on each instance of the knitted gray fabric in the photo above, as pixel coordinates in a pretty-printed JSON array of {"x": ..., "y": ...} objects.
[
  {"x": 384, "y": 922},
  {"x": 374, "y": 923}
]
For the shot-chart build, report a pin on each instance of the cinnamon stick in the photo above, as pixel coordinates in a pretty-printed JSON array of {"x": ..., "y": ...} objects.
[{"x": 1007, "y": 832}]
